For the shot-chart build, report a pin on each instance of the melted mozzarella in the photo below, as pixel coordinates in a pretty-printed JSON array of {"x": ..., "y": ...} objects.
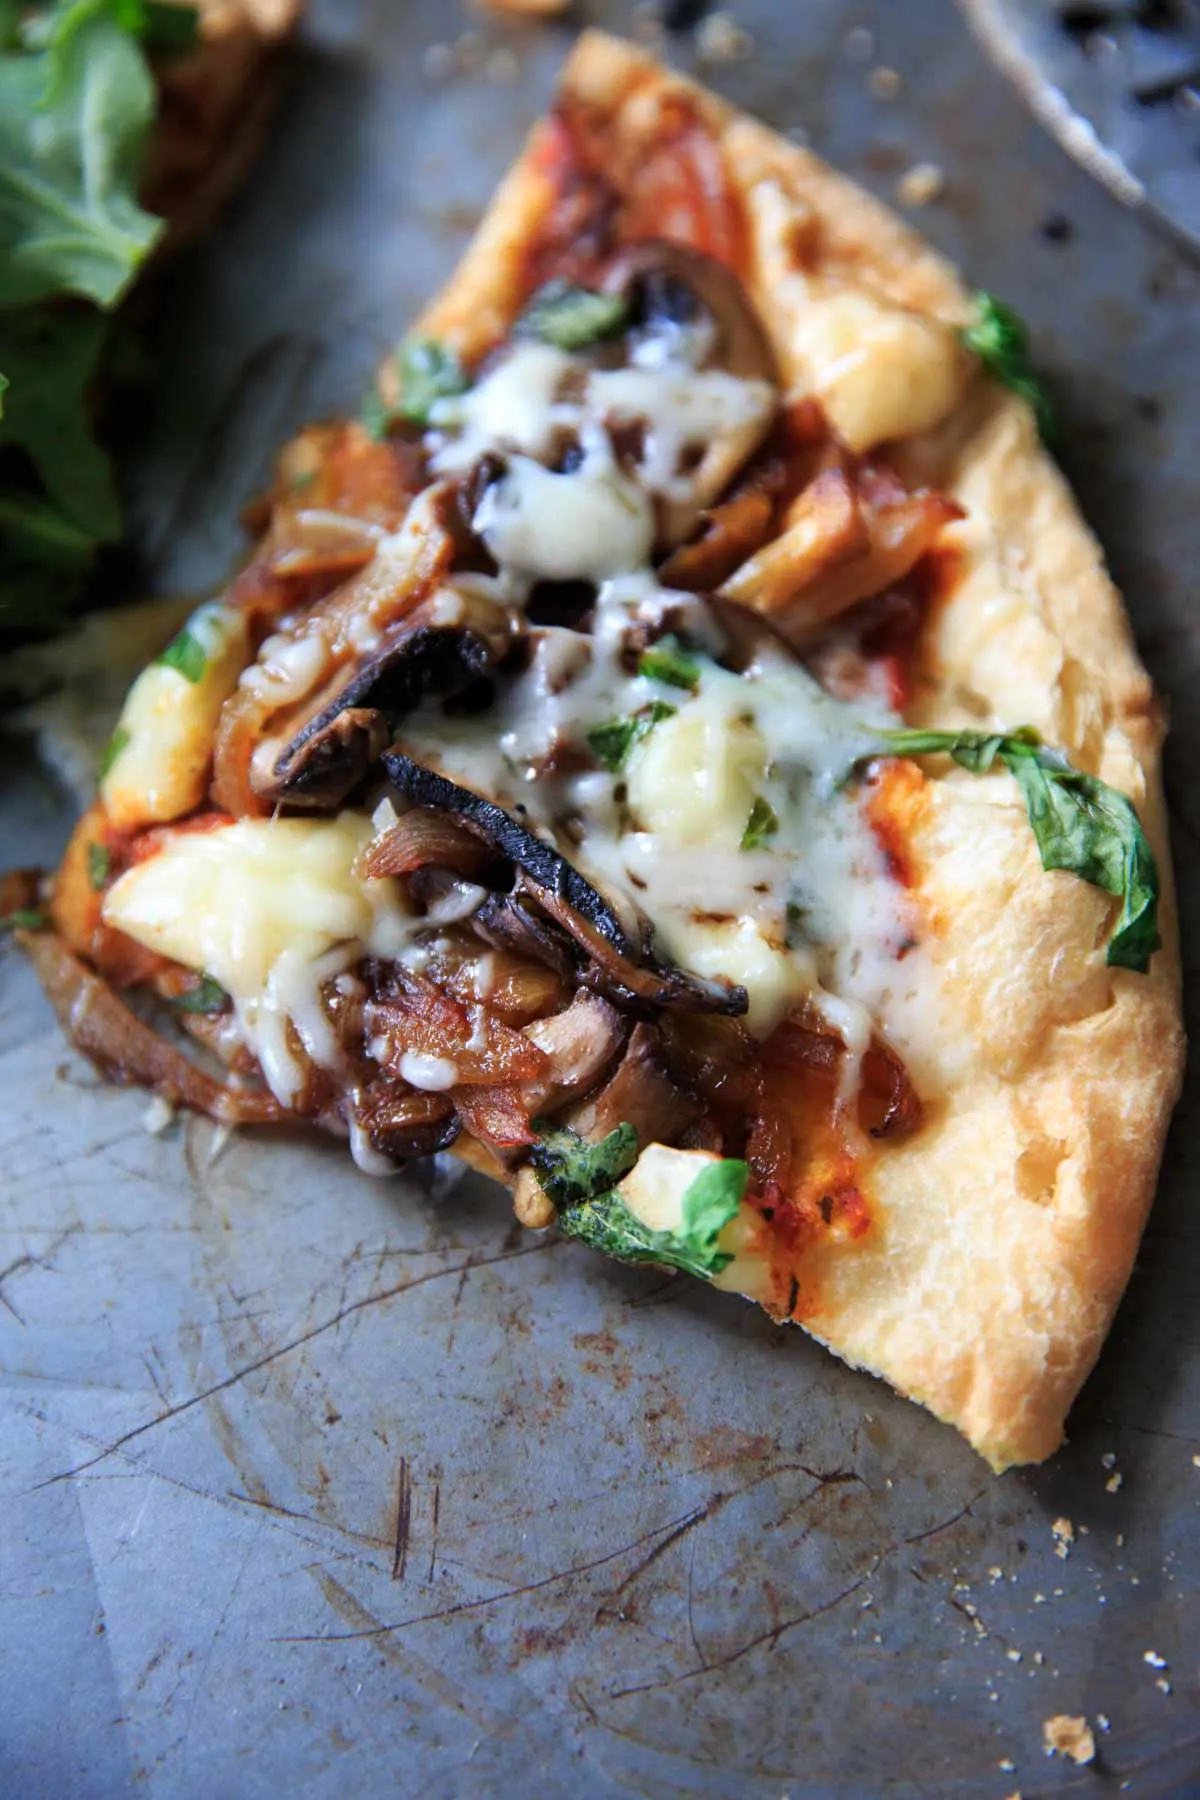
[
  {"x": 682, "y": 407},
  {"x": 164, "y": 737},
  {"x": 587, "y": 525},
  {"x": 272, "y": 909},
  {"x": 514, "y": 407}
]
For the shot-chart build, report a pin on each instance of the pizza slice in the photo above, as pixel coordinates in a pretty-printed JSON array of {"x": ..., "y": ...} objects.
[{"x": 681, "y": 751}]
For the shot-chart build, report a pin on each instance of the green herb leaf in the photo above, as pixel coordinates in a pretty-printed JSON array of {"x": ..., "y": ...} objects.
[
  {"x": 185, "y": 653},
  {"x": 665, "y": 661},
  {"x": 607, "y": 1224},
  {"x": 208, "y": 996},
  {"x": 761, "y": 825},
  {"x": 24, "y": 918},
  {"x": 571, "y": 1170},
  {"x": 51, "y": 358},
  {"x": 112, "y": 750},
  {"x": 99, "y": 863},
  {"x": 170, "y": 30},
  {"x": 615, "y": 741},
  {"x": 1079, "y": 823},
  {"x": 75, "y": 114},
  {"x": 997, "y": 336},
  {"x": 571, "y": 317}
]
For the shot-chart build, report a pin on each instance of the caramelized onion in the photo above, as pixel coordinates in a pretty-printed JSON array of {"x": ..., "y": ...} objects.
[
  {"x": 127, "y": 1051},
  {"x": 422, "y": 839},
  {"x": 418, "y": 1020}
]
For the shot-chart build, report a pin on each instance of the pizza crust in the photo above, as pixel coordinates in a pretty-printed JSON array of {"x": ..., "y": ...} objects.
[{"x": 1004, "y": 1232}]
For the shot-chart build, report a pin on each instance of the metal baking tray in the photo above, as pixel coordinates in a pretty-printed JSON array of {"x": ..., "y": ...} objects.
[{"x": 315, "y": 1485}]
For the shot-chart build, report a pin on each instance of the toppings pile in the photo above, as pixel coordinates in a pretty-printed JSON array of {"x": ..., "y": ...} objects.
[{"x": 524, "y": 792}]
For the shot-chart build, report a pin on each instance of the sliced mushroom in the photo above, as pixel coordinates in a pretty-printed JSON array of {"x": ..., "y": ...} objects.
[
  {"x": 403, "y": 1123},
  {"x": 641, "y": 1093},
  {"x": 581, "y": 1043},
  {"x": 450, "y": 644}
]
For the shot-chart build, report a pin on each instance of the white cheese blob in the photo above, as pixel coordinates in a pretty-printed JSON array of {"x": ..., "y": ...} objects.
[
  {"x": 513, "y": 407},
  {"x": 587, "y": 525},
  {"x": 682, "y": 407},
  {"x": 271, "y": 909}
]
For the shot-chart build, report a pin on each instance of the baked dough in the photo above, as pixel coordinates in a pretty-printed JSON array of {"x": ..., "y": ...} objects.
[{"x": 1004, "y": 1232}]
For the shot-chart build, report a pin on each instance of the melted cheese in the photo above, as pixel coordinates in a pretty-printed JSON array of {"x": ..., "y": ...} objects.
[
  {"x": 272, "y": 909},
  {"x": 584, "y": 526},
  {"x": 164, "y": 736}
]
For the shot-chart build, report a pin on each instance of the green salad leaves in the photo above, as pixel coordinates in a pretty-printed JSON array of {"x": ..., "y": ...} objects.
[
  {"x": 579, "y": 1178},
  {"x": 614, "y": 742},
  {"x": 997, "y": 336},
  {"x": 1079, "y": 823},
  {"x": 77, "y": 103}
]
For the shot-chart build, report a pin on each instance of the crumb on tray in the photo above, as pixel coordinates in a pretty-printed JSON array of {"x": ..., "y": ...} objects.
[{"x": 1063, "y": 1735}]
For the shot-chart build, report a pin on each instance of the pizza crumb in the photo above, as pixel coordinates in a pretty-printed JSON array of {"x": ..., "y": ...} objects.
[
  {"x": 1120, "y": 1540},
  {"x": 1163, "y": 1685},
  {"x": 920, "y": 185},
  {"x": 1109, "y": 1460},
  {"x": 884, "y": 83},
  {"x": 994, "y": 1575},
  {"x": 1013, "y": 1655},
  {"x": 1066, "y": 1736},
  {"x": 1104, "y": 1722},
  {"x": 1196, "y": 1462},
  {"x": 720, "y": 39},
  {"x": 1113, "y": 1484},
  {"x": 1063, "y": 1533},
  {"x": 1039, "y": 1657},
  {"x": 1039, "y": 1599},
  {"x": 1006, "y": 1765},
  {"x": 1154, "y": 1659}
]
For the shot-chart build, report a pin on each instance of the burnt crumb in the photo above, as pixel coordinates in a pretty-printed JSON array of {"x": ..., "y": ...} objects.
[
  {"x": 827, "y": 1207},
  {"x": 1056, "y": 228},
  {"x": 1148, "y": 408}
]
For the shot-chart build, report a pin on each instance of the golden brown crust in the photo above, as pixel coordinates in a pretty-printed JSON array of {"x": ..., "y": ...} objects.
[{"x": 1005, "y": 1231}]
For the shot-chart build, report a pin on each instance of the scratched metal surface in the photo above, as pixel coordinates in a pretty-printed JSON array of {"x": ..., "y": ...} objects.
[{"x": 314, "y": 1485}]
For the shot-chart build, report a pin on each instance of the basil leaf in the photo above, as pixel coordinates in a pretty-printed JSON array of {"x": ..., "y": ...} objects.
[
  {"x": 615, "y": 741},
  {"x": 997, "y": 336},
  {"x": 761, "y": 825},
  {"x": 571, "y": 1170},
  {"x": 185, "y": 653},
  {"x": 208, "y": 996},
  {"x": 25, "y": 918},
  {"x": 112, "y": 750},
  {"x": 665, "y": 661},
  {"x": 1079, "y": 823},
  {"x": 99, "y": 863},
  {"x": 571, "y": 317},
  {"x": 607, "y": 1224},
  {"x": 75, "y": 115}
]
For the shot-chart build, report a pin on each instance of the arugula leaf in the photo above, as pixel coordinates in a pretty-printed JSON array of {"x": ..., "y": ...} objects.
[
  {"x": 208, "y": 996},
  {"x": 615, "y": 741},
  {"x": 185, "y": 653},
  {"x": 99, "y": 863},
  {"x": 1079, "y": 823},
  {"x": 51, "y": 358},
  {"x": 997, "y": 336},
  {"x": 572, "y": 1170},
  {"x": 3, "y": 387},
  {"x": 607, "y": 1224},
  {"x": 666, "y": 661},
  {"x": 74, "y": 119},
  {"x": 761, "y": 825},
  {"x": 572, "y": 317}
]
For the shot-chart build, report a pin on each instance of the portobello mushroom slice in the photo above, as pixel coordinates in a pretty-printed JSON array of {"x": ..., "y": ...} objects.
[
  {"x": 612, "y": 964},
  {"x": 451, "y": 646},
  {"x": 641, "y": 1092}
]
